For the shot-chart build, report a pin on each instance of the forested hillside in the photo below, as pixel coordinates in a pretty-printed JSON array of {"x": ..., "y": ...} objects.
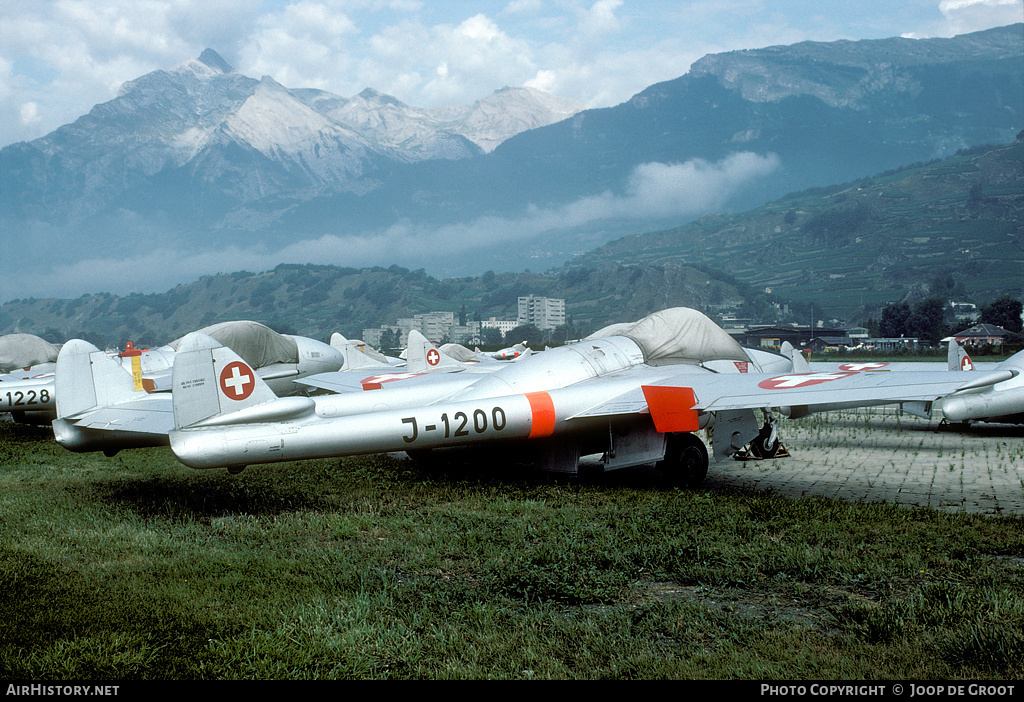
[
  {"x": 318, "y": 300},
  {"x": 951, "y": 228}
]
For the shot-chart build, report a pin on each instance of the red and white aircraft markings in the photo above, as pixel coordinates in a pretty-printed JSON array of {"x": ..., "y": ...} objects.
[
  {"x": 236, "y": 381},
  {"x": 863, "y": 366},
  {"x": 802, "y": 380},
  {"x": 374, "y": 382}
]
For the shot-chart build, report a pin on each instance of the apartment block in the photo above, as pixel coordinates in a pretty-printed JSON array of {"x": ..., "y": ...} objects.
[{"x": 542, "y": 312}]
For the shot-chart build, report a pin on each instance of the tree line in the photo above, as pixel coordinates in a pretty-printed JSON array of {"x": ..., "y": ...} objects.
[{"x": 930, "y": 320}]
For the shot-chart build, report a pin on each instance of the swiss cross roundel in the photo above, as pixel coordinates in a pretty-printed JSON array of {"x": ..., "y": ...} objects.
[
  {"x": 237, "y": 381},
  {"x": 865, "y": 366},
  {"x": 433, "y": 357},
  {"x": 801, "y": 380}
]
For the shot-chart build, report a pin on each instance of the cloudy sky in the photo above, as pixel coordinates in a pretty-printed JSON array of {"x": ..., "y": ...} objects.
[{"x": 58, "y": 58}]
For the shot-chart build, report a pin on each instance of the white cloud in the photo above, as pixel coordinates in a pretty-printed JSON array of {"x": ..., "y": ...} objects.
[
  {"x": 522, "y": 7},
  {"x": 29, "y": 114},
  {"x": 653, "y": 191},
  {"x": 600, "y": 18},
  {"x": 973, "y": 15}
]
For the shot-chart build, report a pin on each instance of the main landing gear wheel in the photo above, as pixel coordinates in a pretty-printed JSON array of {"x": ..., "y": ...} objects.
[
  {"x": 765, "y": 445},
  {"x": 686, "y": 461}
]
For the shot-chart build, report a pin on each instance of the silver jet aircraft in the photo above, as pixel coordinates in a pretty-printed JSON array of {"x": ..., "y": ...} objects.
[
  {"x": 1000, "y": 402},
  {"x": 633, "y": 394}
]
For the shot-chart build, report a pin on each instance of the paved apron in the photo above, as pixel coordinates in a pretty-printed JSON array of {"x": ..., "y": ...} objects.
[{"x": 878, "y": 455}]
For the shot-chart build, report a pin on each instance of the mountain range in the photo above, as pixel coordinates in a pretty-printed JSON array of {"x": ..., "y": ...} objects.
[{"x": 200, "y": 168}]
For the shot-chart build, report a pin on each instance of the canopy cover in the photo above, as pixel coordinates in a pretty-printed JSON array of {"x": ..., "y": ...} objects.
[
  {"x": 24, "y": 350},
  {"x": 256, "y": 344},
  {"x": 459, "y": 352},
  {"x": 677, "y": 335}
]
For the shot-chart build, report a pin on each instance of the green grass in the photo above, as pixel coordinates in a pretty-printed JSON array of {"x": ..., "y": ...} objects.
[{"x": 138, "y": 568}]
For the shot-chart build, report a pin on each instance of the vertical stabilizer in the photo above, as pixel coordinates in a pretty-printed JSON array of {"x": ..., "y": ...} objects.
[
  {"x": 957, "y": 357},
  {"x": 800, "y": 364},
  {"x": 356, "y": 356},
  {"x": 87, "y": 378},
  {"x": 423, "y": 357},
  {"x": 209, "y": 380}
]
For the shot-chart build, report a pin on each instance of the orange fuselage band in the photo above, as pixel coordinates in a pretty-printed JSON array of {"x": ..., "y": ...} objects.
[{"x": 543, "y": 414}]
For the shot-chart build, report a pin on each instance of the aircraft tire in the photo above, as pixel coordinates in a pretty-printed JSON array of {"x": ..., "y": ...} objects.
[
  {"x": 762, "y": 448},
  {"x": 686, "y": 461}
]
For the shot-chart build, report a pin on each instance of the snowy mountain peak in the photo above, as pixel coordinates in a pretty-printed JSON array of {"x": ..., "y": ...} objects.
[
  {"x": 273, "y": 118},
  {"x": 509, "y": 111},
  {"x": 197, "y": 120},
  {"x": 214, "y": 60},
  {"x": 208, "y": 65}
]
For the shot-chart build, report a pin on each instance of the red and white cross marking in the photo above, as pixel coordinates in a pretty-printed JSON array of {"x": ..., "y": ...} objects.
[
  {"x": 433, "y": 357},
  {"x": 966, "y": 363},
  {"x": 237, "y": 381},
  {"x": 864, "y": 366},
  {"x": 374, "y": 382},
  {"x": 801, "y": 380}
]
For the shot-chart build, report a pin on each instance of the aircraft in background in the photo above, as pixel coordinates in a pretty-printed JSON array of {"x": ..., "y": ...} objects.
[
  {"x": 371, "y": 357},
  {"x": 111, "y": 401},
  {"x": 27, "y": 364},
  {"x": 1001, "y": 402},
  {"x": 26, "y": 352},
  {"x": 632, "y": 394},
  {"x": 508, "y": 353},
  {"x": 998, "y": 402}
]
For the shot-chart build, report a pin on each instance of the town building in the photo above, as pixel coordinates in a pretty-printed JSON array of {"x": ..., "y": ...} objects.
[
  {"x": 502, "y": 325},
  {"x": 542, "y": 312},
  {"x": 981, "y": 334}
]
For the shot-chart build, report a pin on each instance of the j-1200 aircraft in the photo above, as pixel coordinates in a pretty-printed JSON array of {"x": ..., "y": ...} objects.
[{"x": 633, "y": 394}]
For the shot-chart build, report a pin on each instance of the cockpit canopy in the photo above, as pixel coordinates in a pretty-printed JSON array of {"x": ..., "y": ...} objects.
[{"x": 677, "y": 335}]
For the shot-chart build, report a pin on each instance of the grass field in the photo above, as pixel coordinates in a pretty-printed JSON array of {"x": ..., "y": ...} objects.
[{"x": 138, "y": 568}]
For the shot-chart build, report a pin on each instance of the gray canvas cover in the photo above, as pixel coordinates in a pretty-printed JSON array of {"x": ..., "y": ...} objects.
[
  {"x": 678, "y": 335},
  {"x": 459, "y": 352},
  {"x": 23, "y": 350},
  {"x": 255, "y": 343}
]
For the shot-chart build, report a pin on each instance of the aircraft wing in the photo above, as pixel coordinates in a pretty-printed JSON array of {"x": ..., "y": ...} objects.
[
  {"x": 341, "y": 382},
  {"x": 356, "y": 381},
  {"x": 793, "y": 393}
]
